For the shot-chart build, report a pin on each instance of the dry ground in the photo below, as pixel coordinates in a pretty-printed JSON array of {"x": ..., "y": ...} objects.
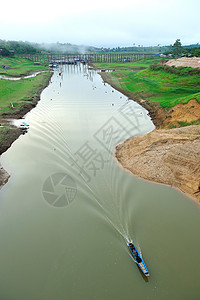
[{"x": 165, "y": 156}]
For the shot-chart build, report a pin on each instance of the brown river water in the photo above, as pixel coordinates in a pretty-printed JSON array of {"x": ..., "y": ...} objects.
[{"x": 69, "y": 209}]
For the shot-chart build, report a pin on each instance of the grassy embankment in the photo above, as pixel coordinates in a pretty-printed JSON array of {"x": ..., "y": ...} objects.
[
  {"x": 19, "y": 66},
  {"x": 23, "y": 94},
  {"x": 20, "y": 92},
  {"x": 160, "y": 87}
]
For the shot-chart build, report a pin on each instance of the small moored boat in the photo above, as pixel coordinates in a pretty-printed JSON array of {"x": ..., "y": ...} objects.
[
  {"x": 24, "y": 126},
  {"x": 138, "y": 259}
]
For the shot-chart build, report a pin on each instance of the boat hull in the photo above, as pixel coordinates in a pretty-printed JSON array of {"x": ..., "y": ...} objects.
[{"x": 138, "y": 259}]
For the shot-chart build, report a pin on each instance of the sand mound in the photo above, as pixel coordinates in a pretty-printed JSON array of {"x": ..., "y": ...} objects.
[{"x": 193, "y": 62}]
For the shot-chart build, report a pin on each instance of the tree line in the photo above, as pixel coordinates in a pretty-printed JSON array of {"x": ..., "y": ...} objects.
[
  {"x": 189, "y": 51},
  {"x": 9, "y": 48}
]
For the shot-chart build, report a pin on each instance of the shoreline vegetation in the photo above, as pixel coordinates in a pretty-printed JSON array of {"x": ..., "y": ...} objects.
[
  {"x": 18, "y": 97},
  {"x": 170, "y": 153}
]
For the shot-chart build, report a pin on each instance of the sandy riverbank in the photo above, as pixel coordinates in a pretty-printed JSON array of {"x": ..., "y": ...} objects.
[{"x": 166, "y": 156}]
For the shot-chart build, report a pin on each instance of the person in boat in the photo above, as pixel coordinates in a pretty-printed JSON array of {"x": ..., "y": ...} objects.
[
  {"x": 132, "y": 247},
  {"x": 137, "y": 258}
]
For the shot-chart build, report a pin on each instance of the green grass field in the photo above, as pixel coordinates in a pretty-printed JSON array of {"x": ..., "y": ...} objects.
[
  {"x": 139, "y": 64},
  {"x": 17, "y": 92},
  {"x": 158, "y": 86},
  {"x": 18, "y": 66}
]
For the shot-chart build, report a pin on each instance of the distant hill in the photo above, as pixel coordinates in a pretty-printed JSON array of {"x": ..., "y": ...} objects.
[{"x": 192, "y": 46}]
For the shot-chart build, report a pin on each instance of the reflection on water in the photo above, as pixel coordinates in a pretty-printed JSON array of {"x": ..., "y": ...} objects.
[{"x": 68, "y": 209}]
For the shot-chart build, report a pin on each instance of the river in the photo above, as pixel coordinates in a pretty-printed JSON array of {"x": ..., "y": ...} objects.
[{"x": 69, "y": 208}]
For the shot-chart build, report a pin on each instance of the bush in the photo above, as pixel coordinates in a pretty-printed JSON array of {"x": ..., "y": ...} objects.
[{"x": 181, "y": 71}]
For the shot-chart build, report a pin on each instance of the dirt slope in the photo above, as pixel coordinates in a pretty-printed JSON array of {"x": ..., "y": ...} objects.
[
  {"x": 181, "y": 112},
  {"x": 165, "y": 156}
]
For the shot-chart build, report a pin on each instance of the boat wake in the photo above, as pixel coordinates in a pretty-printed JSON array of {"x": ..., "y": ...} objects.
[{"x": 90, "y": 163}]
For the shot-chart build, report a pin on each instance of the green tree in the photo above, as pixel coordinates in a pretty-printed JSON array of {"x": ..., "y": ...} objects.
[
  {"x": 177, "y": 47},
  {"x": 197, "y": 52},
  {"x": 5, "y": 52}
]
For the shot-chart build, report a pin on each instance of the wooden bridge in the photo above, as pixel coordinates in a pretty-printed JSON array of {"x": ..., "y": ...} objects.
[{"x": 88, "y": 58}]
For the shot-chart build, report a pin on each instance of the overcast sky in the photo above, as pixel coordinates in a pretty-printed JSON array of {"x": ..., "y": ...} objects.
[{"x": 107, "y": 23}]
